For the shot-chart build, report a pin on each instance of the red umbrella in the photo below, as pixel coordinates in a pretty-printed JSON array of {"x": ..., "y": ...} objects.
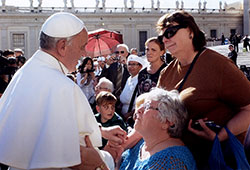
[{"x": 102, "y": 42}]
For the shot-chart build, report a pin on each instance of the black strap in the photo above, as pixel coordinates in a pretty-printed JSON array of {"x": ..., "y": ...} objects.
[
  {"x": 190, "y": 69},
  {"x": 131, "y": 104}
]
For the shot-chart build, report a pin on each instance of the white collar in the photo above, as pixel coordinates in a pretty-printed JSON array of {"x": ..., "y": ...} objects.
[{"x": 52, "y": 61}]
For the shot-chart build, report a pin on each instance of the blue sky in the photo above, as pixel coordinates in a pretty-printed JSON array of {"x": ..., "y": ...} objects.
[{"x": 119, "y": 3}]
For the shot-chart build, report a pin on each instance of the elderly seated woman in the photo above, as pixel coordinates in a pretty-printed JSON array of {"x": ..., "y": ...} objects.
[{"x": 160, "y": 119}]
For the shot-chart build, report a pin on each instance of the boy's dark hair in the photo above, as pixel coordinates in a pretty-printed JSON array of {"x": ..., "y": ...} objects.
[{"x": 105, "y": 97}]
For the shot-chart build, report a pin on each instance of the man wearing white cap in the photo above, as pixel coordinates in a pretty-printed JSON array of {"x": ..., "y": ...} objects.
[
  {"x": 128, "y": 95},
  {"x": 44, "y": 116},
  {"x": 101, "y": 63},
  {"x": 18, "y": 52}
]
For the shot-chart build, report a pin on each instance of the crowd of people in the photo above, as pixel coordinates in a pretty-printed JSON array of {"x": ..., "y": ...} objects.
[
  {"x": 235, "y": 39},
  {"x": 121, "y": 111},
  {"x": 10, "y": 62}
]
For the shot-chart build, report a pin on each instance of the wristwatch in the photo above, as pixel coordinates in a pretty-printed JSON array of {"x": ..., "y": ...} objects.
[{"x": 100, "y": 167}]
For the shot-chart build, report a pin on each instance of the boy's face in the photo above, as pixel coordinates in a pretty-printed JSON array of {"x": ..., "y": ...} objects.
[
  {"x": 107, "y": 111},
  {"x": 231, "y": 48}
]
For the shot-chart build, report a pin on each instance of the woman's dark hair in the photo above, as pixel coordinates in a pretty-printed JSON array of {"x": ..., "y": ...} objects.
[
  {"x": 185, "y": 19},
  {"x": 85, "y": 61}
]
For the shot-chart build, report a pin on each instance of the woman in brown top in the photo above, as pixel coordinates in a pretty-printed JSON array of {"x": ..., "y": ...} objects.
[{"x": 214, "y": 88}]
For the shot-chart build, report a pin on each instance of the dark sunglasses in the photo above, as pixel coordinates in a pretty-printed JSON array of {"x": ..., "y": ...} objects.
[
  {"x": 170, "y": 32},
  {"x": 122, "y": 52}
]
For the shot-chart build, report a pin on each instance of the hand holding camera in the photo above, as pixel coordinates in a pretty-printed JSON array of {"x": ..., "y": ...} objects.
[
  {"x": 89, "y": 71},
  {"x": 210, "y": 124},
  {"x": 86, "y": 70}
]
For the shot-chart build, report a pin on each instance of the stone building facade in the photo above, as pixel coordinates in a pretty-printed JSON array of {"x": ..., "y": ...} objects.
[{"x": 19, "y": 27}]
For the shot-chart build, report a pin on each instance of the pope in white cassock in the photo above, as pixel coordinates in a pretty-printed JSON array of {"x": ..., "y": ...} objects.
[{"x": 44, "y": 116}]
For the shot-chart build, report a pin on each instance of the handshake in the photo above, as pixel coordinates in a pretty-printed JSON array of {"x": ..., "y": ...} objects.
[{"x": 92, "y": 158}]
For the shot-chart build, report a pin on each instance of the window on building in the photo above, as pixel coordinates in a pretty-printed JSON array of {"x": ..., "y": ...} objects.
[
  {"x": 232, "y": 31},
  {"x": 213, "y": 33},
  {"x": 142, "y": 40},
  {"x": 18, "y": 40}
]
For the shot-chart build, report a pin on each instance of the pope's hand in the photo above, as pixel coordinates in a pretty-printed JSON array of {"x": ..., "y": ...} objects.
[
  {"x": 115, "y": 151},
  {"x": 90, "y": 158},
  {"x": 115, "y": 134}
]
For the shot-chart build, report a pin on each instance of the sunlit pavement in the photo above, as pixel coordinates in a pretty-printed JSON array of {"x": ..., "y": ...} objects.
[{"x": 243, "y": 57}]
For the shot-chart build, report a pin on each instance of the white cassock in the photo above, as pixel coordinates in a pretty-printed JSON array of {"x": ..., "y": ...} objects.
[
  {"x": 127, "y": 93},
  {"x": 44, "y": 117}
]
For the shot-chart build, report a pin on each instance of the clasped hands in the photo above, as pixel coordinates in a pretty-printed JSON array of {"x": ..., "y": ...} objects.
[
  {"x": 116, "y": 138},
  {"x": 90, "y": 158}
]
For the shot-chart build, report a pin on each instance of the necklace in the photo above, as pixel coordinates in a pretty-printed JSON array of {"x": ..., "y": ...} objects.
[{"x": 61, "y": 67}]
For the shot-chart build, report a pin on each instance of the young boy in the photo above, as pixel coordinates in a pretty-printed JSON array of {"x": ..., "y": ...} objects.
[{"x": 105, "y": 106}]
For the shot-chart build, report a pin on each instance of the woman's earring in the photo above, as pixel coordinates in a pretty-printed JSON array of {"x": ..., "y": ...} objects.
[{"x": 164, "y": 127}]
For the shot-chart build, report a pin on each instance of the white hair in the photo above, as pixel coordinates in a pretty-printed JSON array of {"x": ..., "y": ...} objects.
[
  {"x": 123, "y": 45},
  {"x": 109, "y": 84},
  {"x": 170, "y": 108}
]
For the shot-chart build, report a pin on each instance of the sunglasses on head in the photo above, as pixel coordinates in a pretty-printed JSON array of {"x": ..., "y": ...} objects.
[
  {"x": 170, "y": 32},
  {"x": 122, "y": 52}
]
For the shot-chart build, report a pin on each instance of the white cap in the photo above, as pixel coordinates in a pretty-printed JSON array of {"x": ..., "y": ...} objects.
[
  {"x": 62, "y": 25},
  {"x": 18, "y": 50},
  {"x": 101, "y": 58},
  {"x": 133, "y": 57}
]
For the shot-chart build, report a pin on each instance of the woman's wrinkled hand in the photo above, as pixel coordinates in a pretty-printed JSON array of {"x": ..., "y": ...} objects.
[
  {"x": 206, "y": 133},
  {"x": 90, "y": 158}
]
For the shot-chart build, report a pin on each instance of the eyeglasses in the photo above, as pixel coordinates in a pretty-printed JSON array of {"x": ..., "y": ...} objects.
[
  {"x": 122, "y": 52},
  {"x": 101, "y": 88},
  {"x": 133, "y": 65},
  {"x": 170, "y": 32},
  {"x": 148, "y": 107}
]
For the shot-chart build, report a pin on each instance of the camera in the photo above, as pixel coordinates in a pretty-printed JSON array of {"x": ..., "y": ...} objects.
[
  {"x": 117, "y": 58},
  {"x": 5, "y": 66},
  {"x": 210, "y": 124}
]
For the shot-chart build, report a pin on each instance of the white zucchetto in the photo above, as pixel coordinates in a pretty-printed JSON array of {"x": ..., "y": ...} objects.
[{"x": 62, "y": 25}]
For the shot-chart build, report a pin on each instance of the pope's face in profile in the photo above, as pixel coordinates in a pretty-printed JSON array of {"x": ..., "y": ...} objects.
[{"x": 76, "y": 49}]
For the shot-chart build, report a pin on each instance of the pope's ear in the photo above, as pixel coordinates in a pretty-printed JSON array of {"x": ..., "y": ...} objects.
[{"x": 61, "y": 47}]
